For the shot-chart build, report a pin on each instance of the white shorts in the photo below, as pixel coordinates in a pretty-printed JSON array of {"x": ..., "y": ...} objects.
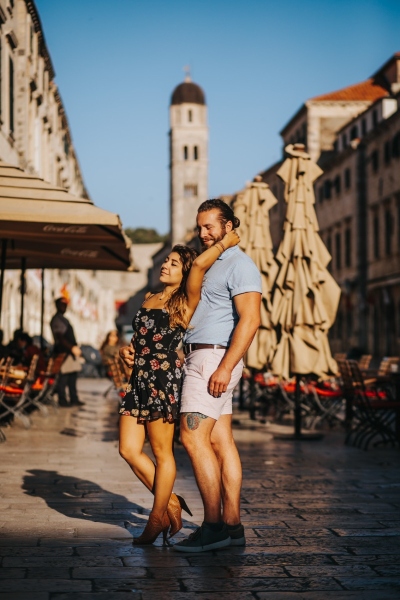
[{"x": 197, "y": 370}]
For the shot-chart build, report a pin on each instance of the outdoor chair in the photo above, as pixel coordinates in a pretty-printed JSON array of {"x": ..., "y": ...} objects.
[
  {"x": 45, "y": 385},
  {"x": 118, "y": 376},
  {"x": 376, "y": 416},
  {"x": 326, "y": 401},
  {"x": 365, "y": 361},
  {"x": 14, "y": 396}
]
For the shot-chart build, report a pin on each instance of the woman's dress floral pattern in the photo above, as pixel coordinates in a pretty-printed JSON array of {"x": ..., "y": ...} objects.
[{"x": 154, "y": 388}]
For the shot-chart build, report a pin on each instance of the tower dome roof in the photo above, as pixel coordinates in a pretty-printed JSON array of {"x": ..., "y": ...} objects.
[{"x": 188, "y": 92}]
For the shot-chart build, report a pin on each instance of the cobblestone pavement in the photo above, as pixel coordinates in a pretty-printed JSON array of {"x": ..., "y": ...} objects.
[{"x": 322, "y": 520}]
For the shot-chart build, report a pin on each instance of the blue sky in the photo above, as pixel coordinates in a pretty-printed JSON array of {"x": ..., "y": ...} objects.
[{"x": 117, "y": 63}]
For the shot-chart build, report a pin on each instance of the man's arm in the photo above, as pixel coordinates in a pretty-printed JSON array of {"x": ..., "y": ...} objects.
[{"x": 248, "y": 308}]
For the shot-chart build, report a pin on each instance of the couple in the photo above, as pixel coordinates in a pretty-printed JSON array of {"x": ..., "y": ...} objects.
[{"x": 212, "y": 302}]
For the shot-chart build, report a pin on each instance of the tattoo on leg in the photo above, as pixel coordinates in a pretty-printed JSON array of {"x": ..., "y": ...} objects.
[{"x": 193, "y": 419}]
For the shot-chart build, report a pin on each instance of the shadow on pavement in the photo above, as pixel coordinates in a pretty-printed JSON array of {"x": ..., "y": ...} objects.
[{"x": 83, "y": 499}]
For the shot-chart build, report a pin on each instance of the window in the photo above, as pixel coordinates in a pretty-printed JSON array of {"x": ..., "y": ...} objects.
[
  {"x": 337, "y": 182},
  {"x": 328, "y": 189},
  {"x": 11, "y": 99},
  {"x": 190, "y": 116},
  {"x": 196, "y": 153},
  {"x": 347, "y": 247},
  {"x": 349, "y": 323},
  {"x": 338, "y": 251},
  {"x": 387, "y": 153},
  {"x": 375, "y": 161},
  {"x": 388, "y": 231},
  {"x": 354, "y": 132},
  {"x": 363, "y": 126},
  {"x": 375, "y": 118},
  {"x": 344, "y": 141},
  {"x": 347, "y": 179},
  {"x": 375, "y": 225},
  {"x": 190, "y": 190},
  {"x": 398, "y": 221},
  {"x": 339, "y": 325},
  {"x": 185, "y": 153},
  {"x": 396, "y": 146}
]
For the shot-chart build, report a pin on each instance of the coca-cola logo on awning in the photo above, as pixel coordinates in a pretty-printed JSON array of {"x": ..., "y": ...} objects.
[
  {"x": 65, "y": 229},
  {"x": 79, "y": 253}
]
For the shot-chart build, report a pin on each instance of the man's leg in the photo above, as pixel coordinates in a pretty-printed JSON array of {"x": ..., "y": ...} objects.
[
  {"x": 73, "y": 394},
  {"x": 61, "y": 388},
  {"x": 196, "y": 430},
  {"x": 227, "y": 454}
]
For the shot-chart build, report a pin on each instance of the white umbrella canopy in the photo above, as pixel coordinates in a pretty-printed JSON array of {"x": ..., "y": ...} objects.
[
  {"x": 305, "y": 296},
  {"x": 252, "y": 207}
]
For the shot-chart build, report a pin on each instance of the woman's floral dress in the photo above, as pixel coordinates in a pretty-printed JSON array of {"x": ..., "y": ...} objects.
[{"x": 155, "y": 384}]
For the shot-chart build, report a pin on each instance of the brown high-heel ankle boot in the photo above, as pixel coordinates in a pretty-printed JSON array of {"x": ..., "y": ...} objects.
[
  {"x": 174, "y": 510},
  {"x": 153, "y": 528}
]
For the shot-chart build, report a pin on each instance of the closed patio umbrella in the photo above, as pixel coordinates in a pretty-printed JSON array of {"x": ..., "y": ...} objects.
[
  {"x": 252, "y": 207},
  {"x": 305, "y": 295}
]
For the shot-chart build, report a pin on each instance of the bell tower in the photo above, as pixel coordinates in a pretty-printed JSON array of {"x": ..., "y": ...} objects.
[{"x": 188, "y": 157}]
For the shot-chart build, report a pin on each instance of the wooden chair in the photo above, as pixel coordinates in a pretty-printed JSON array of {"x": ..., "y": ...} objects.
[
  {"x": 365, "y": 361},
  {"x": 13, "y": 397},
  {"x": 118, "y": 375}
]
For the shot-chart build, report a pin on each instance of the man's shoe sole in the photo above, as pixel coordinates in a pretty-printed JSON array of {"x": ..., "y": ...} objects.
[
  {"x": 238, "y": 541},
  {"x": 214, "y": 546}
]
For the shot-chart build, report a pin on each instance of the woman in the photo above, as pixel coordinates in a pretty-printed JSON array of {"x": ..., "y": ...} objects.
[
  {"x": 153, "y": 394},
  {"x": 110, "y": 347}
]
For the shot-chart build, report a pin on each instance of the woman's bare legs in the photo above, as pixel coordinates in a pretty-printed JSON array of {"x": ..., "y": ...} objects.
[
  {"x": 131, "y": 441},
  {"x": 158, "y": 479},
  {"x": 161, "y": 436}
]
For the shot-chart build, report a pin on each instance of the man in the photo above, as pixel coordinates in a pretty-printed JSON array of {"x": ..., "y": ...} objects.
[
  {"x": 65, "y": 343},
  {"x": 220, "y": 332}
]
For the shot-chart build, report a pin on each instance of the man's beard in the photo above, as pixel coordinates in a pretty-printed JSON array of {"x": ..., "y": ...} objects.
[{"x": 215, "y": 240}]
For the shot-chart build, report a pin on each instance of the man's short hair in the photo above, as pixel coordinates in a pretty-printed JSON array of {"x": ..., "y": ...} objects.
[
  {"x": 225, "y": 211},
  {"x": 61, "y": 300}
]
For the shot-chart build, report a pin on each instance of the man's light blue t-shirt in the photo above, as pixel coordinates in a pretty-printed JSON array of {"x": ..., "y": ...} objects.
[{"x": 215, "y": 317}]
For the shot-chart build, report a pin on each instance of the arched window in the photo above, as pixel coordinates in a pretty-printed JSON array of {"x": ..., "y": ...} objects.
[
  {"x": 185, "y": 153},
  {"x": 196, "y": 153},
  {"x": 190, "y": 116}
]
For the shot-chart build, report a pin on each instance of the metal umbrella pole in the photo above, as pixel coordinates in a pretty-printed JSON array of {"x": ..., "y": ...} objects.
[
  {"x": 2, "y": 269},
  {"x": 23, "y": 290},
  {"x": 42, "y": 314}
]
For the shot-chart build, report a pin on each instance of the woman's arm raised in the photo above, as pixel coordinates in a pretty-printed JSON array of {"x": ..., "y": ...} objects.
[{"x": 202, "y": 263}]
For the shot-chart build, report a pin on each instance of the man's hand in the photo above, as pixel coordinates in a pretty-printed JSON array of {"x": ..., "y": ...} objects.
[
  {"x": 127, "y": 353},
  {"x": 219, "y": 381},
  {"x": 76, "y": 351}
]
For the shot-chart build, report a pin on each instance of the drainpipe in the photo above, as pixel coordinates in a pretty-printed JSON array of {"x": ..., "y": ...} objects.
[{"x": 362, "y": 246}]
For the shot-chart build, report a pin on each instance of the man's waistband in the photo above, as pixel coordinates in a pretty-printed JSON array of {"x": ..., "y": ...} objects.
[{"x": 187, "y": 348}]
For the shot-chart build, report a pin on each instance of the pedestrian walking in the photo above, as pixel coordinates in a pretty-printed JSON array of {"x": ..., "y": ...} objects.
[
  {"x": 65, "y": 343},
  {"x": 219, "y": 334},
  {"x": 153, "y": 394}
]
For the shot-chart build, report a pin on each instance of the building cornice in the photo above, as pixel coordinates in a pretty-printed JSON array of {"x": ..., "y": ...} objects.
[{"x": 30, "y": 4}]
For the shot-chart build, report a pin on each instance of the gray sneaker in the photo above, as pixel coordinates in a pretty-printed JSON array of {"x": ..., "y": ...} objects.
[
  {"x": 237, "y": 535},
  {"x": 204, "y": 539}
]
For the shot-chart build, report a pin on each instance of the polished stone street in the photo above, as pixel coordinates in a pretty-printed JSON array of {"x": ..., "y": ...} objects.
[{"x": 322, "y": 520}]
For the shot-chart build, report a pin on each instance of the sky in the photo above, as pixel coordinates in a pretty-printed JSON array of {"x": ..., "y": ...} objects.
[{"x": 118, "y": 61}]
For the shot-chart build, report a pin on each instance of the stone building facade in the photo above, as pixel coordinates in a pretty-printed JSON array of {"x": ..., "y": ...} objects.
[
  {"x": 35, "y": 136},
  {"x": 354, "y": 135}
]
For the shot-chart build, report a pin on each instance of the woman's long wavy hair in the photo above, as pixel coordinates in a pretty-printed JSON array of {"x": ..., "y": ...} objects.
[{"x": 176, "y": 303}]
